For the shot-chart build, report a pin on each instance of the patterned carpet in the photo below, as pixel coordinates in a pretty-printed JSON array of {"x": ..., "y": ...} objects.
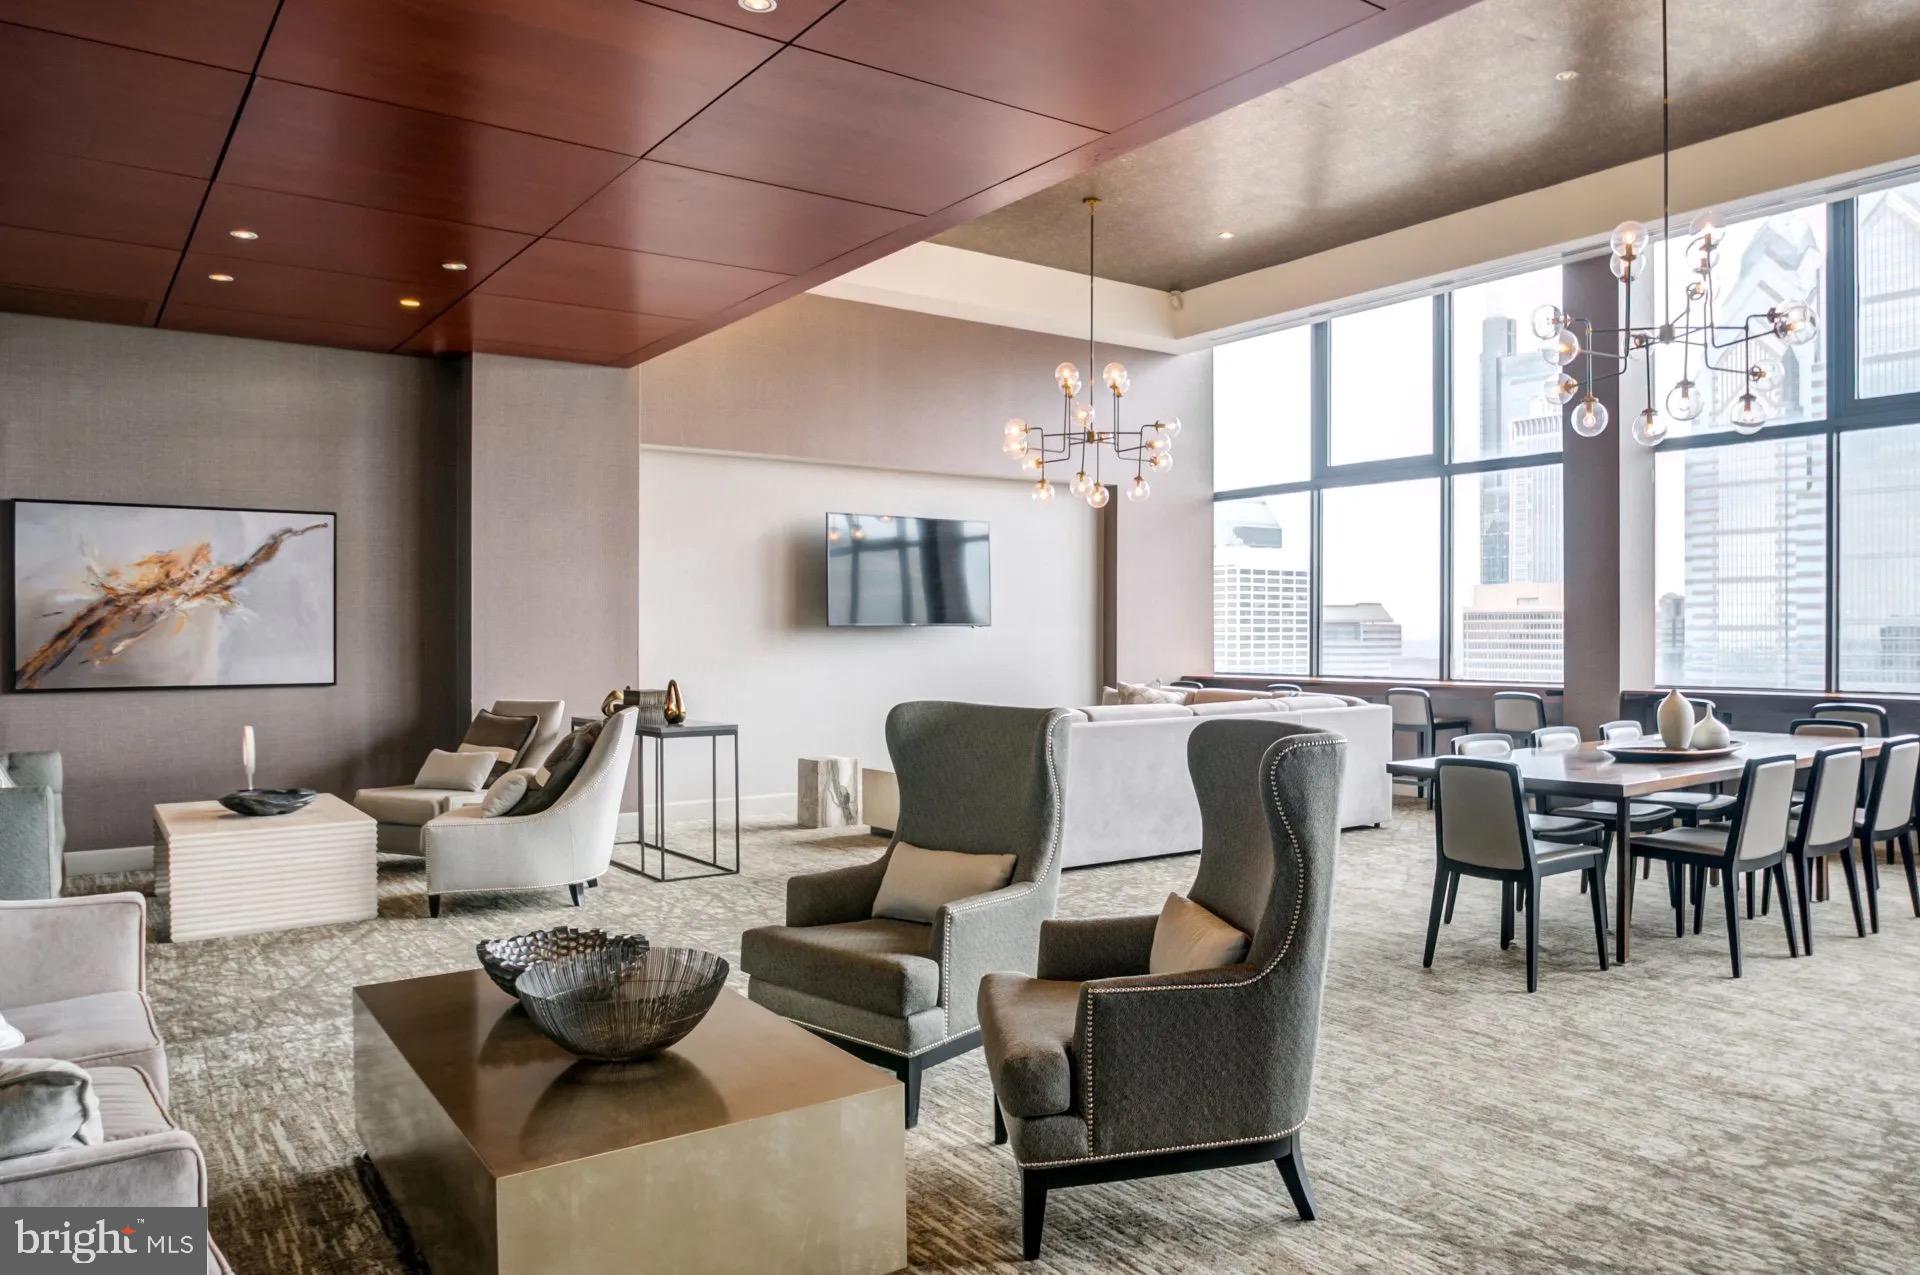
[{"x": 1659, "y": 1117}]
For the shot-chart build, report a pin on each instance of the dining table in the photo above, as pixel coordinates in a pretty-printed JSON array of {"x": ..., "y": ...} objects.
[{"x": 1592, "y": 773}]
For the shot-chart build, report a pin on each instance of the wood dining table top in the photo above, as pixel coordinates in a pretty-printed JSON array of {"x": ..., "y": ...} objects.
[{"x": 1587, "y": 771}]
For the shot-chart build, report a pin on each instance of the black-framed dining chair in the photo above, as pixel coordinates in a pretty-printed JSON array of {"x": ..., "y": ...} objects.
[
  {"x": 1519, "y": 713},
  {"x": 1619, "y": 732},
  {"x": 1873, "y": 718},
  {"x": 1643, "y": 816},
  {"x": 1888, "y": 818},
  {"x": 1825, "y": 826},
  {"x": 1188, "y": 684},
  {"x": 1413, "y": 715},
  {"x": 1285, "y": 688},
  {"x": 1481, "y": 830},
  {"x": 1754, "y": 840},
  {"x": 1551, "y": 826}
]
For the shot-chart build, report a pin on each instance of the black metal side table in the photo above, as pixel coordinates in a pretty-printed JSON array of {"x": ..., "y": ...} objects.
[{"x": 711, "y": 866}]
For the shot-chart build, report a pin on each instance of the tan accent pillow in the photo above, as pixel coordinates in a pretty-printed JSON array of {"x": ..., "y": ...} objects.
[
  {"x": 1137, "y": 693},
  {"x": 457, "y": 772},
  {"x": 504, "y": 792},
  {"x": 918, "y": 883},
  {"x": 1188, "y": 937}
]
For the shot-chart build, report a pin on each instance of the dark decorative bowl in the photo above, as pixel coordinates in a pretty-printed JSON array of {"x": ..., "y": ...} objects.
[
  {"x": 268, "y": 801},
  {"x": 505, "y": 959},
  {"x": 623, "y": 1001}
]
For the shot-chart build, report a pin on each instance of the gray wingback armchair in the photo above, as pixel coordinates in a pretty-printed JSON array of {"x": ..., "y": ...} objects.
[
  {"x": 900, "y": 994},
  {"x": 1102, "y": 1071},
  {"x": 33, "y": 830}
]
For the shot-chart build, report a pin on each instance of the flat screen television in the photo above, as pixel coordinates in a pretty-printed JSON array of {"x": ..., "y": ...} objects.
[{"x": 886, "y": 571}]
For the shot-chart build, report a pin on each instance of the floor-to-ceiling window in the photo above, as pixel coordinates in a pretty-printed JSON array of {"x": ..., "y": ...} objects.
[
  {"x": 1791, "y": 558},
  {"x": 1388, "y": 493}
]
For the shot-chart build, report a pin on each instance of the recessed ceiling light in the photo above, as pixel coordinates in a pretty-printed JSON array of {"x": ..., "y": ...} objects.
[
  {"x": 410, "y": 303},
  {"x": 1225, "y": 234},
  {"x": 244, "y": 234},
  {"x": 453, "y": 265},
  {"x": 1564, "y": 76},
  {"x": 221, "y": 278},
  {"x": 759, "y": 6}
]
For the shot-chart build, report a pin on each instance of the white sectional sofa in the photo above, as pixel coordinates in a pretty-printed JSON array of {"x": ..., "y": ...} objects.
[{"x": 1128, "y": 792}]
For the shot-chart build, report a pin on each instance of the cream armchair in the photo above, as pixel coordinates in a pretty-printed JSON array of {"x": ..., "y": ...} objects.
[
  {"x": 570, "y": 843},
  {"x": 402, "y": 810}
]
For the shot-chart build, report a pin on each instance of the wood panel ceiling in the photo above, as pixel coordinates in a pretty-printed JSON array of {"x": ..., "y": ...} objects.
[{"x": 613, "y": 177}]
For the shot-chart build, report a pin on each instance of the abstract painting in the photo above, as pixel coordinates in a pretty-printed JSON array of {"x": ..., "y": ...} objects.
[{"x": 121, "y": 597}]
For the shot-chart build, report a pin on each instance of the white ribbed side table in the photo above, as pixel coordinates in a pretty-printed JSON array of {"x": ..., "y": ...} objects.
[{"x": 223, "y": 873}]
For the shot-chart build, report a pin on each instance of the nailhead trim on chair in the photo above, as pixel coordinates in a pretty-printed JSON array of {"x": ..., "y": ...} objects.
[{"x": 1286, "y": 945}]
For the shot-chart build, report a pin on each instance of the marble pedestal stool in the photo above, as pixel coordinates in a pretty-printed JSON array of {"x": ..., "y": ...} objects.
[{"x": 829, "y": 792}]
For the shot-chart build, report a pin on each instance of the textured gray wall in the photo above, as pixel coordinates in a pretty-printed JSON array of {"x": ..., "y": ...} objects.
[{"x": 94, "y": 412}]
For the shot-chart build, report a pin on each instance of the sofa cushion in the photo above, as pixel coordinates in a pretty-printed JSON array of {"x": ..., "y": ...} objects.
[
  {"x": 411, "y": 806},
  {"x": 1188, "y": 937},
  {"x": 505, "y": 792},
  {"x": 1229, "y": 707},
  {"x": 1027, "y": 1025},
  {"x": 129, "y": 1107},
  {"x": 460, "y": 772},
  {"x": 106, "y": 1029},
  {"x": 503, "y": 736},
  {"x": 1131, "y": 712},
  {"x": 46, "y": 1104},
  {"x": 1224, "y": 695},
  {"x": 563, "y": 763},
  {"x": 918, "y": 883},
  {"x": 881, "y": 965},
  {"x": 1293, "y": 703}
]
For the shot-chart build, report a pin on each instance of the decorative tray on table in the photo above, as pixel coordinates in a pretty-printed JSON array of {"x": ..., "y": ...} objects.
[{"x": 1660, "y": 752}]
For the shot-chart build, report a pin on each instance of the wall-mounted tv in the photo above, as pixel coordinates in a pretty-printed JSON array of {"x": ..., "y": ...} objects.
[{"x": 884, "y": 570}]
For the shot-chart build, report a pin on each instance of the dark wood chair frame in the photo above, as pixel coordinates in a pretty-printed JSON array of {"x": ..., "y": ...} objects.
[
  {"x": 1290, "y": 688},
  {"x": 908, "y": 1068},
  {"x": 1426, "y": 738},
  {"x": 1539, "y": 702},
  {"x": 1898, "y": 836},
  {"x": 1448, "y": 871}
]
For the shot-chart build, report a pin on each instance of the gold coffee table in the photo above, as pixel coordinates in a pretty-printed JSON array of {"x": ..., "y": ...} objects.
[{"x": 750, "y": 1146}]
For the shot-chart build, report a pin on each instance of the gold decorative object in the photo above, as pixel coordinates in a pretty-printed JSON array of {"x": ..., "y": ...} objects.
[
  {"x": 675, "y": 710},
  {"x": 615, "y": 701}
]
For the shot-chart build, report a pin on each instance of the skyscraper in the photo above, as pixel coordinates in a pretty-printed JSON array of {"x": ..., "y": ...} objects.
[{"x": 1261, "y": 600}]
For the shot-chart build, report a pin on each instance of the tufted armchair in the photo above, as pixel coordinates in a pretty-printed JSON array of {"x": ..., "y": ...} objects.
[
  {"x": 901, "y": 994},
  {"x": 1102, "y": 1071}
]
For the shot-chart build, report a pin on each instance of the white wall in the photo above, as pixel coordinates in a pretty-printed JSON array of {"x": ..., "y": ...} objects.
[{"x": 732, "y": 604}]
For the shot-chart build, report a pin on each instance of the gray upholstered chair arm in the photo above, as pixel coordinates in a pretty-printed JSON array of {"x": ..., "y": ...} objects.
[
  {"x": 828, "y": 898},
  {"x": 58, "y": 949},
  {"x": 1081, "y": 950},
  {"x": 154, "y": 1170},
  {"x": 1209, "y": 1035},
  {"x": 987, "y": 933},
  {"x": 28, "y": 820}
]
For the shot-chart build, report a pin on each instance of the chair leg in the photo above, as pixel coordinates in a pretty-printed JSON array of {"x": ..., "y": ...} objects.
[
  {"x": 1777, "y": 875},
  {"x": 1913, "y": 877},
  {"x": 1677, "y": 896},
  {"x": 1853, "y": 890},
  {"x": 1293, "y": 1171},
  {"x": 1766, "y": 893},
  {"x": 999, "y": 1125},
  {"x": 1533, "y": 937},
  {"x": 433, "y": 905},
  {"x": 1453, "y": 892},
  {"x": 1597, "y": 896},
  {"x": 577, "y": 891},
  {"x": 1870, "y": 870},
  {"x": 1033, "y": 1212},
  {"x": 1803, "y": 886},
  {"x": 911, "y": 1078},
  {"x": 1646, "y": 869},
  {"x": 1823, "y": 884},
  {"x": 1751, "y": 892},
  {"x": 1444, "y": 883},
  {"x": 1699, "y": 897},
  {"x": 1729, "y": 889},
  {"x": 1506, "y": 915}
]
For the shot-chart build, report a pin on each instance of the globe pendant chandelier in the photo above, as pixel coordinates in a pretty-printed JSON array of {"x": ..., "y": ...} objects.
[
  {"x": 1080, "y": 441},
  {"x": 1741, "y": 352}
]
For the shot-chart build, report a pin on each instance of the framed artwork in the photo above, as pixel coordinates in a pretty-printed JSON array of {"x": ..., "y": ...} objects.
[{"x": 140, "y": 597}]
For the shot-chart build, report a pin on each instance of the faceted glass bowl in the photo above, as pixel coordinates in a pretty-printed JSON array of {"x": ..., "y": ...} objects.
[
  {"x": 505, "y": 959},
  {"x": 622, "y": 1001}
]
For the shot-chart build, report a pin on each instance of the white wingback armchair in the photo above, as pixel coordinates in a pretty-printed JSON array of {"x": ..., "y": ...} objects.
[{"x": 570, "y": 843}]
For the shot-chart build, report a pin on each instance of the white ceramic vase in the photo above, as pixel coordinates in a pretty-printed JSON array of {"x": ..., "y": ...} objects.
[
  {"x": 1676, "y": 720},
  {"x": 1710, "y": 732}
]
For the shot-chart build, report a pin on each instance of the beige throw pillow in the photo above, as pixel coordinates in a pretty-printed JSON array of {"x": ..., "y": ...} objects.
[
  {"x": 919, "y": 882},
  {"x": 457, "y": 772},
  {"x": 1188, "y": 937},
  {"x": 504, "y": 792},
  {"x": 1136, "y": 693}
]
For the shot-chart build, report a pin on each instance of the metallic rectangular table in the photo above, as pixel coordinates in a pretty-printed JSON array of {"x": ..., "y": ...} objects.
[
  {"x": 711, "y": 866},
  {"x": 1586, "y": 771},
  {"x": 749, "y": 1146}
]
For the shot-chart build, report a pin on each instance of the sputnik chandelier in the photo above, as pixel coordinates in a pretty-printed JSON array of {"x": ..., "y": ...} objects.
[
  {"x": 1739, "y": 352},
  {"x": 1079, "y": 440}
]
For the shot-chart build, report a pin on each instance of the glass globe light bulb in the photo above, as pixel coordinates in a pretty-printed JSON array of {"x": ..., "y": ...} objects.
[
  {"x": 1684, "y": 401},
  {"x": 1033, "y": 464},
  {"x": 1562, "y": 348},
  {"x": 1081, "y": 484},
  {"x": 1083, "y": 415},
  {"x": 1098, "y": 498},
  {"x": 1138, "y": 490},
  {"x": 1170, "y": 427},
  {"x": 1650, "y": 428},
  {"x": 1794, "y": 323},
  {"x": 1115, "y": 372},
  {"x": 1016, "y": 428},
  {"x": 1159, "y": 443},
  {"x": 1547, "y": 320},
  {"x": 1749, "y": 414},
  {"x": 1696, "y": 291},
  {"x": 1162, "y": 461},
  {"x": 1590, "y": 418},
  {"x": 1042, "y": 492},
  {"x": 1628, "y": 238},
  {"x": 1708, "y": 224},
  {"x": 1014, "y": 447},
  {"x": 1622, "y": 268},
  {"x": 1767, "y": 372},
  {"x": 1561, "y": 387},
  {"x": 1064, "y": 373}
]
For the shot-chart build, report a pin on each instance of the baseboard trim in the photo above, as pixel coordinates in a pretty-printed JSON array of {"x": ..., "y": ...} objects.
[{"x": 85, "y": 863}]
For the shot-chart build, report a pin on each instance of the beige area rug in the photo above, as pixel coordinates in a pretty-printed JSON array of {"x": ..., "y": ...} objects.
[{"x": 1658, "y": 1117}]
